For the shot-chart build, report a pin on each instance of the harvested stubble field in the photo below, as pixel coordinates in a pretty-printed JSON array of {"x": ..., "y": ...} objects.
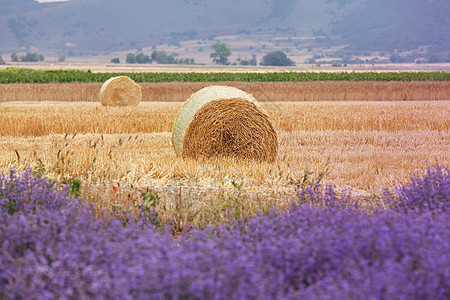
[
  {"x": 120, "y": 152},
  {"x": 262, "y": 91},
  {"x": 302, "y": 240}
]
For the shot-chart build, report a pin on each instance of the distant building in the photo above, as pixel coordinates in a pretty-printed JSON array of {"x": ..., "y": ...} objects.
[{"x": 420, "y": 60}]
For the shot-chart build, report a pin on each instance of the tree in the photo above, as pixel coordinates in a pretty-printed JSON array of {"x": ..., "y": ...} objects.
[
  {"x": 162, "y": 58},
  {"x": 395, "y": 58},
  {"x": 2, "y": 62},
  {"x": 221, "y": 54},
  {"x": 141, "y": 58},
  {"x": 32, "y": 57},
  {"x": 115, "y": 60},
  {"x": 14, "y": 57},
  {"x": 61, "y": 58},
  {"x": 131, "y": 58},
  {"x": 276, "y": 58}
]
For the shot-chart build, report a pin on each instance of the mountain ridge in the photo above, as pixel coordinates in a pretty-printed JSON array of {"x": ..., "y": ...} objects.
[{"x": 115, "y": 25}]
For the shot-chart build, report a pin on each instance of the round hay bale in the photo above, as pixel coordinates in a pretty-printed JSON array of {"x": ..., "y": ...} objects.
[
  {"x": 120, "y": 91},
  {"x": 224, "y": 121}
]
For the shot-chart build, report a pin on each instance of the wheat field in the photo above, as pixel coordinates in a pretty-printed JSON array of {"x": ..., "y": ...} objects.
[
  {"x": 262, "y": 91},
  {"x": 362, "y": 136},
  {"x": 21, "y": 119},
  {"x": 364, "y": 146}
]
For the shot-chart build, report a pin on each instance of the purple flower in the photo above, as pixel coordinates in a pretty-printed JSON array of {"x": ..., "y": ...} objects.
[
  {"x": 55, "y": 247},
  {"x": 428, "y": 192}
]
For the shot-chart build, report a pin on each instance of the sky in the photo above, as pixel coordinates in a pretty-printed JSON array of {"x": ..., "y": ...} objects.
[{"x": 43, "y": 1}]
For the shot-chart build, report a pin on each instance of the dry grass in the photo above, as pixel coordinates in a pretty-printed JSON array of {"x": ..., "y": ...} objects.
[
  {"x": 44, "y": 118},
  {"x": 365, "y": 161},
  {"x": 360, "y": 116},
  {"x": 38, "y": 119},
  {"x": 366, "y": 146},
  {"x": 263, "y": 91}
]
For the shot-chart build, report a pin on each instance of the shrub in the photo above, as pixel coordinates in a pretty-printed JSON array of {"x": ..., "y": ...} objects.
[
  {"x": 61, "y": 250},
  {"x": 29, "y": 192},
  {"x": 429, "y": 192}
]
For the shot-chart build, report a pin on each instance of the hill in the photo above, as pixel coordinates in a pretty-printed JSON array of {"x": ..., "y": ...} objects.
[
  {"x": 94, "y": 26},
  {"x": 401, "y": 24}
]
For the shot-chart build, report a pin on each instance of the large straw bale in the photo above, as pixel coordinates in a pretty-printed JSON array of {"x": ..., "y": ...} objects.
[
  {"x": 120, "y": 91},
  {"x": 224, "y": 121}
]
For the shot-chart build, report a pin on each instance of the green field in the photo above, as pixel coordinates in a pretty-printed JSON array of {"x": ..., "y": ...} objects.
[{"x": 21, "y": 75}]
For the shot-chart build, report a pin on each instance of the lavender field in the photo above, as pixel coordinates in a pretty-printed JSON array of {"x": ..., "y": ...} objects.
[{"x": 323, "y": 247}]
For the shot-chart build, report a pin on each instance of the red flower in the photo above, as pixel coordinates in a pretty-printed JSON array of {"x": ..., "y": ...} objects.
[
  {"x": 115, "y": 188},
  {"x": 76, "y": 175}
]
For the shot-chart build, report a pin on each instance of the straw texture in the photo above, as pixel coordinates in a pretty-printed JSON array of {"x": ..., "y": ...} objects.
[
  {"x": 120, "y": 91},
  {"x": 224, "y": 121}
]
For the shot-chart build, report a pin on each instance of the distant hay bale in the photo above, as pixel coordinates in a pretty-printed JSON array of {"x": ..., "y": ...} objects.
[
  {"x": 224, "y": 121},
  {"x": 120, "y": 91}
]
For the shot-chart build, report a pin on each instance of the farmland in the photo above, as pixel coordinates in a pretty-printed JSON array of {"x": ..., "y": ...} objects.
[
  {"x": 263, "y": 91},
  {"x": 363, "y": 145},
  {"x": 21, "y": 75},
  {"x": 358, "y": 137}
]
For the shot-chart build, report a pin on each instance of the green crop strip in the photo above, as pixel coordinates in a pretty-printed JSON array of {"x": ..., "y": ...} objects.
[{"x": 21, "y": 75}]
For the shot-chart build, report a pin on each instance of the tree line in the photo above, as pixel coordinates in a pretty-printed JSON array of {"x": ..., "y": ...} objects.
[
  {"x": 29, "y": 57},
  {"x": 274, "y": 58},
  {"x": 219, "y": 56},
  {"x": 161, "y": 57}
]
